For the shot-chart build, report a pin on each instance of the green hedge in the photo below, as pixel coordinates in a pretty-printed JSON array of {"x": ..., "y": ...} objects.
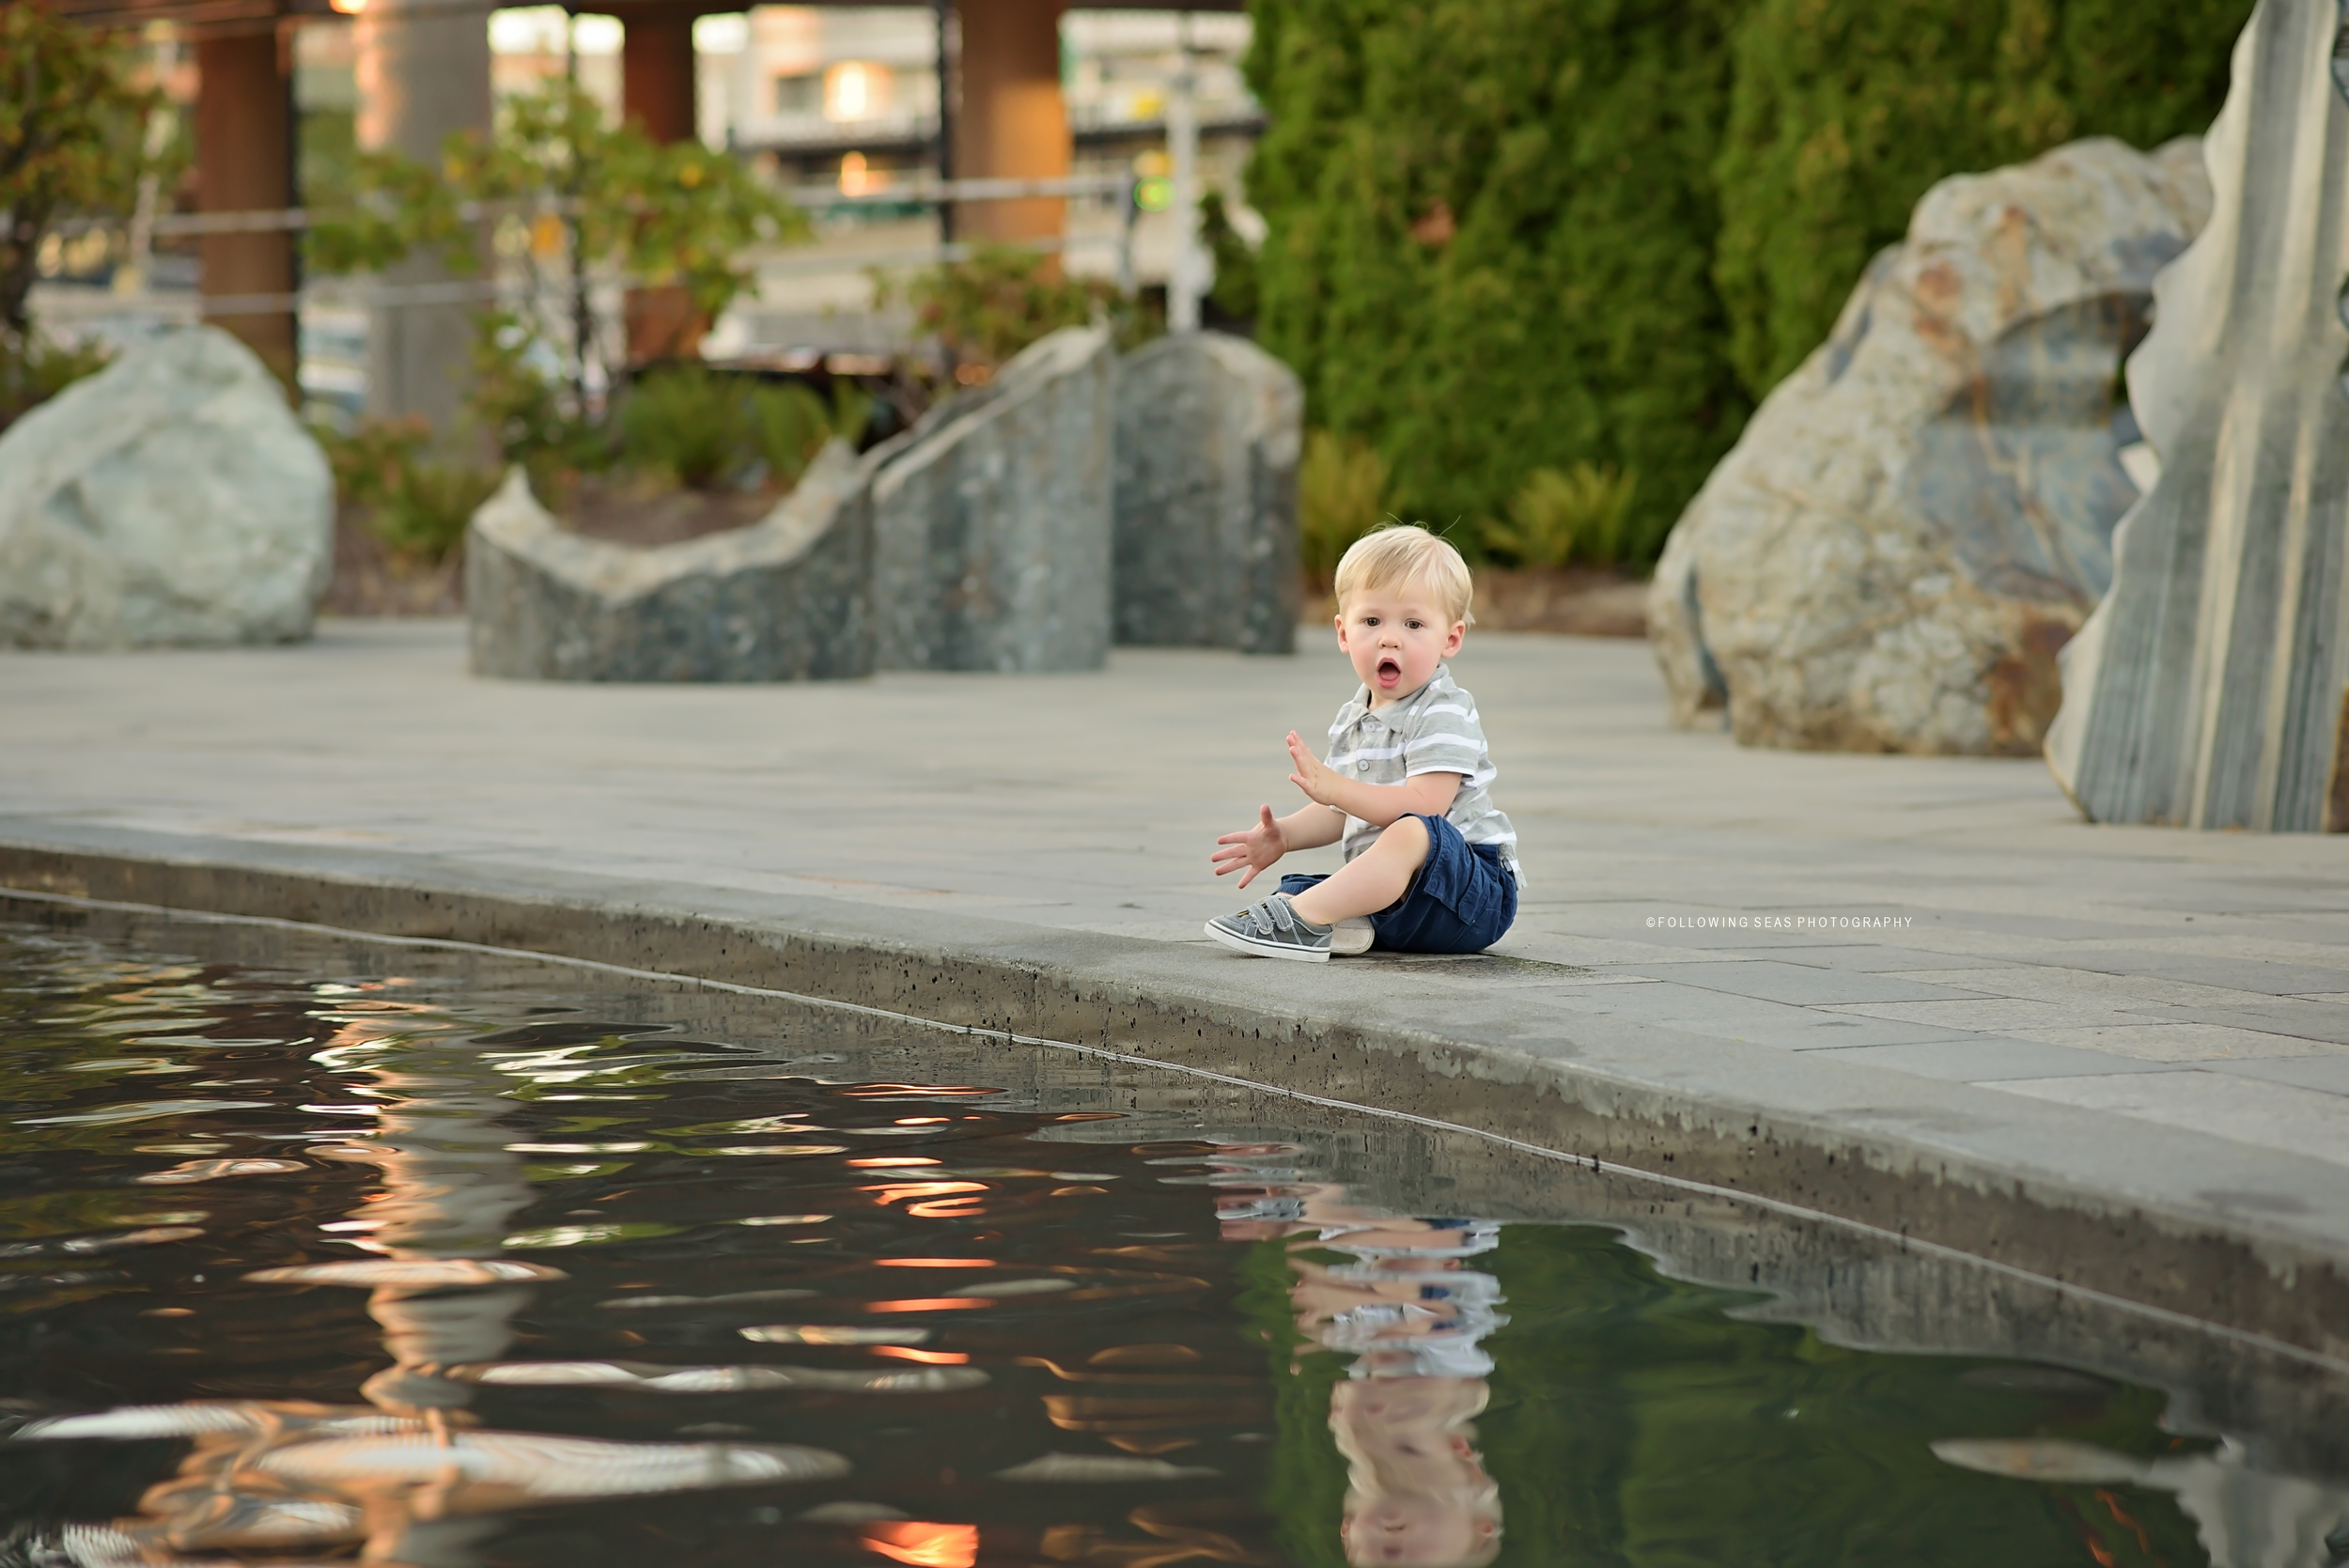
[
  {"x": 1491, "y": 229},
  {"x": 1508, "y": 235},
  {"x": 1844, "y": 112}
]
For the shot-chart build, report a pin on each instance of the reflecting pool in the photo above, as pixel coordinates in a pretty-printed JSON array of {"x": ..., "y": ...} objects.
[{"x": 339, "y": 1251}]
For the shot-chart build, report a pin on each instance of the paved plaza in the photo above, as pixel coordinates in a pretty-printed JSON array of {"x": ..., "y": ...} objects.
[{"x": 1946, "y": 920}]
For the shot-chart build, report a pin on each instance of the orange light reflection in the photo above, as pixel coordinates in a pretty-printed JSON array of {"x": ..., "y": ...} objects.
[
  {"x": 897, "y": 1163},
  {"x": 925, "y": 1545},
  {"x": 933, "y": 1262},
  {"x": 928, "y": 1358},
  {"x": 929, "y": 1304},
  {"x": 898, "y": 1191}
]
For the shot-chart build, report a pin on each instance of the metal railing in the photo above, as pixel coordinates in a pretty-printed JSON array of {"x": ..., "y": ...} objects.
[{"x": 928, "y": 192}]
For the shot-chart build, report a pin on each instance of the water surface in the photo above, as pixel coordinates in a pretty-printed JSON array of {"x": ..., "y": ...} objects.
[{"x": 367, "y": 1252}]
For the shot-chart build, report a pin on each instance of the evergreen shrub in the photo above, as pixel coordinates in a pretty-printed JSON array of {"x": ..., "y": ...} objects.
[
  {"x": 1491, "y": 238},
  {"x": 1514, "y": 235},
  {"x": 1844, "y": 112}
]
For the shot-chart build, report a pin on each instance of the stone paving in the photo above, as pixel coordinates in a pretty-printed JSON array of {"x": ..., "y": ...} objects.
[{"x": 1962, "y": 923}]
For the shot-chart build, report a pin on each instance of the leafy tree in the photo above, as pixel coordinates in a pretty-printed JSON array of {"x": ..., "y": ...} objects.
[{"x": 72, "y": 137}]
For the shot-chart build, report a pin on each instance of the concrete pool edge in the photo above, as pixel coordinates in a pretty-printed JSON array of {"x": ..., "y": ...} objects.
[{"x": 2209, "y": 1229}]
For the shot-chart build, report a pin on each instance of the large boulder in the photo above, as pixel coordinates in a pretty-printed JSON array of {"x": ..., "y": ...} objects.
[
  {"x": 782, "y": 599},
  {"x": 1916, "y": 519},
  {"x": 2210, "y": 690},
  {"x": 991, "y": 520},
  {"x": 170, "y": 499},
  {"x": 1208, "y": 431}
]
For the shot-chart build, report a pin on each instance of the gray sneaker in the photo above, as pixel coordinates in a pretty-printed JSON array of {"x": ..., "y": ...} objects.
[{"x": 1272, "y": 930}]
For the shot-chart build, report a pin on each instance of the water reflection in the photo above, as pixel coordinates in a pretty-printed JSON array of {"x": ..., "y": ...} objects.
[
  {"x": 1411, "y": 1312},
  {"x": 410, "y": 1475}
]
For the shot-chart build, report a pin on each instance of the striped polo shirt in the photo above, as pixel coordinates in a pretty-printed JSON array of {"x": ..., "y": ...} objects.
[{"x": 1433, "y": 730}]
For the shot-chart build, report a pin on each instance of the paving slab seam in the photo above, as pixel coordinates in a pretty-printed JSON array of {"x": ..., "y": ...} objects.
[
  {"x": 1901, "y": 1241},
  {"x": 1866, "y": 1147}
]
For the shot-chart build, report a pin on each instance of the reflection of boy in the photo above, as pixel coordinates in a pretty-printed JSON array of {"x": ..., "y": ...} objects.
[{"x": 1415, "y": 1488}]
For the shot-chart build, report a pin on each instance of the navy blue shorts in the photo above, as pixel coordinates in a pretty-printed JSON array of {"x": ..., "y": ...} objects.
[{"x": 1462, "y": 900}]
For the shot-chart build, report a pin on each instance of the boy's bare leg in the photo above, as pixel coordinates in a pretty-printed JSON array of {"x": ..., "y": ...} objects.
[{"x": 1372, "y": 880}]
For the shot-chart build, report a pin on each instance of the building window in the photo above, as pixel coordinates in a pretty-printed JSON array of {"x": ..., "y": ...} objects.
[{"x": 799, "y": 95}]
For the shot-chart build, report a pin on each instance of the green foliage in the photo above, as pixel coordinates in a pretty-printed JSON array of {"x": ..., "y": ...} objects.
[
  {"x": 1236, "y": 289},
  {"x": 1844, "y": 110},
  {"x": 688, "y": 420},
  {"x": 1491, "y": 231},
  {"x": 999, "y": 299},
  {"x": 33, "y": 371},
  {"x": 1578, "y": 515},
  {"x": 416, "y": 505},
  {"x": 703, "y": 428},
  {"x": 524, "y": 409},
  {"x": 1305, "y": 1480},
  {"x": 790, "y": 423},
  {"x": 394, "y": 205},
  {"x": 73, "y": 137},
  {"x": 1512, "y": 235},
  {"x": 1341, "y": 495}
]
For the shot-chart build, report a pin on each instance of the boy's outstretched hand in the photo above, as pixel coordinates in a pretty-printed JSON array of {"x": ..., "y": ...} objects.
[
  {"x": 1311, "y": 774},
  {"x": 1250, "y": 852}
]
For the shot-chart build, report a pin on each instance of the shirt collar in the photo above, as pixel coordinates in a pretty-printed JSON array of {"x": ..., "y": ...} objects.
[{"x": 1358, "y": 709}]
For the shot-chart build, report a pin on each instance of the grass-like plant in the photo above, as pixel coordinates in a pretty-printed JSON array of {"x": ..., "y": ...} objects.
[
  {"x": 690, "y": 422},
  {"x": 1580, "y": 514}
]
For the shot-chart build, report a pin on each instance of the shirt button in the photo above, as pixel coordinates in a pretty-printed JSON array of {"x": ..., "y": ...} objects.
[{"x": 1363, "y": 763}]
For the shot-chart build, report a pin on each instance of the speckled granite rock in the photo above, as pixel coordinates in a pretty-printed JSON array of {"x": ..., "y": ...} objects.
[
  {"x": 170, "y": 499},
  {"x": 2209, "y": 690},
  {"x": 783, "y": 600},
  {"x": 1917, "y": 519},
  {"x": 1208, "y": 431},
  {"x": 991, "y": 520}
]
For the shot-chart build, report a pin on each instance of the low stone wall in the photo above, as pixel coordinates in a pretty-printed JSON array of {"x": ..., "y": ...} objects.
[
  {"x": 991, "y": 520},
  {"x": 786, "y": 598},
  {"x": 1208, "y": 431}
]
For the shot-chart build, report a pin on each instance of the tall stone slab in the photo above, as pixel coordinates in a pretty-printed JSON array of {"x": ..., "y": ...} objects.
[
  {"x": 1208, "y": 431},
  {"x": 992, "y": 518},
  {"x": 785, "y": 598},
  {"x": 172, "y": 499},
  {"x": 2208, "y": 689},
  {"x": 1916, "y": 519}
]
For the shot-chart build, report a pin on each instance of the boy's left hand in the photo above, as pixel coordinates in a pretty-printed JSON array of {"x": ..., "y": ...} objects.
[{"x": 1311, "y": 774}]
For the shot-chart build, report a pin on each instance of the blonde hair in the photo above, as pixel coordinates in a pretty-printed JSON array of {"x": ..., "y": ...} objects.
[{"x": 1404, "y": 552}]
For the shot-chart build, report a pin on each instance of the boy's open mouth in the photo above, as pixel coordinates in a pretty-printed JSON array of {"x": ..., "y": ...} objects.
[{"x": 1389, "y": 671}]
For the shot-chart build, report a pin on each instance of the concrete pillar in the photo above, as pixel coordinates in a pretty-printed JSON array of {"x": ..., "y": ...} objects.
[
  {"x": 1011, "y": 122},
  {"x": 244, "y": 162},
  {"x": 424, "y": 72},
  {"x": 657, "y": 96}
]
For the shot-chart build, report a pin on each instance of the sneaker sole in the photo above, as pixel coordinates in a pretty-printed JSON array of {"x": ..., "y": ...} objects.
[
  {"x": 1260, "y": 950},
  {"x": 1349, "y": 940}
]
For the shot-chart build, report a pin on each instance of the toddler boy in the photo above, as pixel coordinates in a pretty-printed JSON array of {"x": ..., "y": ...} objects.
[{"x": 1431, "y": 863}]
